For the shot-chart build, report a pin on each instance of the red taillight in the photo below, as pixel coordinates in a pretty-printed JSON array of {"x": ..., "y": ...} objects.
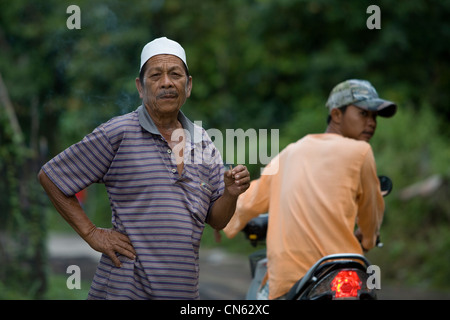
[{"x": 346, "y": 284}]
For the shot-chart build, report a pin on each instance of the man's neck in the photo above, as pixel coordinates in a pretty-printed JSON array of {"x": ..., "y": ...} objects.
[
  {"x": 331, "y": 128},
  {"x": 165, "y": 122}
]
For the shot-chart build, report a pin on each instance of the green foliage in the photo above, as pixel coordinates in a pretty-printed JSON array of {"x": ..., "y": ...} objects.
[
  {"x": 255, "y": 64},
  {"x": 410, "y": 148},
  {"x": 22, "y": 226}
]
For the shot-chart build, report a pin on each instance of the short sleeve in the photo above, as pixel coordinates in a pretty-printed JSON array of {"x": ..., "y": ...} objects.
[{"x": 81, "y": 164}]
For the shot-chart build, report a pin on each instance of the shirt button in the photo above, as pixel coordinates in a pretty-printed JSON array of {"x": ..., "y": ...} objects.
[
  {"x": 174, "y": 170},
  {"x": 169, "y": 151}
]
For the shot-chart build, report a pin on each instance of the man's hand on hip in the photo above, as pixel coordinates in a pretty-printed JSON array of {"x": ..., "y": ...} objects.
[{"x": 109, "y": 242}]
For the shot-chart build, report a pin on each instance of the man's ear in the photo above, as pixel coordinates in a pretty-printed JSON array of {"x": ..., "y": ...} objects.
[
  {"x": 139, "y": 88},
  {"x": 189, "y": 87},
  {"x": 336, "y": 115}
]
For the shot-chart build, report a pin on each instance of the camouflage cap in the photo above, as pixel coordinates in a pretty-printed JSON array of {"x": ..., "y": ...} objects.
[{"x": 362, "y": 94}]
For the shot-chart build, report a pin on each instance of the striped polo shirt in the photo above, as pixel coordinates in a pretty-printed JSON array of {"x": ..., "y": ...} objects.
[{"x": 163, "y": 213}]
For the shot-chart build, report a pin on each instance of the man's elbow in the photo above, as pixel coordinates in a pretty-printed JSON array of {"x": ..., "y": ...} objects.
[
  {"x": 41, "y": 176},
  {"x": 368, "y": 243},
  {"x": 217, "y": 225},
  {"x": 44, "y": 180}
]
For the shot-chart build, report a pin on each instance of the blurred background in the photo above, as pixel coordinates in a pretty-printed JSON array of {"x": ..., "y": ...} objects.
[{"x": 262, "y": 64}]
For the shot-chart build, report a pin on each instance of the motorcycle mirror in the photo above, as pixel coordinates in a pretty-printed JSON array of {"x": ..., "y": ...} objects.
[{"x": 386, "y": 185}]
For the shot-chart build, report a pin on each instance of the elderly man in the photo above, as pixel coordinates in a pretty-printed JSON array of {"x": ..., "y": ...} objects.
[
  {"x": 164, "y": 178},
  {"x": 325, "y": 184}
]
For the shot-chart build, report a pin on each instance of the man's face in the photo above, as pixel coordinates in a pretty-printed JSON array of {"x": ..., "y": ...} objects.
[
  {"x": 166, "y": 85},
  {"x": 357, "y": 123}
]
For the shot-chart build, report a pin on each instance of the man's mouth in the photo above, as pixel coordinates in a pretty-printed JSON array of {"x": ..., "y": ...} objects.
[{"x": 368, "y": 134}]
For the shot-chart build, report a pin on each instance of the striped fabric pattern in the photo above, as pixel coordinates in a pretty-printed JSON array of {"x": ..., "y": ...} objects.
[{"x": 162, "y": 212}]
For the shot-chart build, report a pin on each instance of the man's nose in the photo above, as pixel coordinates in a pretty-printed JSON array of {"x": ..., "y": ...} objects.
[
  {"x": 166, "y": 82},
  {"x": 373, "y": 121}
]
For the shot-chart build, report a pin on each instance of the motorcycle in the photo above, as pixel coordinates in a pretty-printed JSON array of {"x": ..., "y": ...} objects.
[{"x": 336, "y": 276}]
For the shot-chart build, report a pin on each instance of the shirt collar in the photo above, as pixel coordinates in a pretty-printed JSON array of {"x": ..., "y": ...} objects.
[{"x": 147, "y": 123}]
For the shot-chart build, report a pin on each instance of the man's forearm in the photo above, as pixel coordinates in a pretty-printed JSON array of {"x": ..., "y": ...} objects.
[
  {"x": 236, "y": 180},
  {"x": 107, "y": 241},
  {"x": 222, "y": 211},
  {"x": 68, "y": 207}
]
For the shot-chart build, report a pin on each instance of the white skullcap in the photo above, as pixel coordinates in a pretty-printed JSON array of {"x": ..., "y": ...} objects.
[{"x": 162, "y": 46}]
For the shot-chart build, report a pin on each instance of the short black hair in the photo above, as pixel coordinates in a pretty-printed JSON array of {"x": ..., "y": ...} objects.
[
  {"x": 141, "y": 74},
  {"x": 343, "y": 108}
]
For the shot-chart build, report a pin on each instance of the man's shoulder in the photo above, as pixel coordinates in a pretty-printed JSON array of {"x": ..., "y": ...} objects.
[
  {"x": 338, "y": 139},
  {"x": 122, "y": 123},
  {"x": 337, "y": 146},
  {"x": 358, "y": 151},
  {"x": 357, "y": 144}
]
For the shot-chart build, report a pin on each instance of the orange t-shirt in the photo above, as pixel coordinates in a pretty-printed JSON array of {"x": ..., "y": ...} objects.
[{"x": 315, "y": 191}]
